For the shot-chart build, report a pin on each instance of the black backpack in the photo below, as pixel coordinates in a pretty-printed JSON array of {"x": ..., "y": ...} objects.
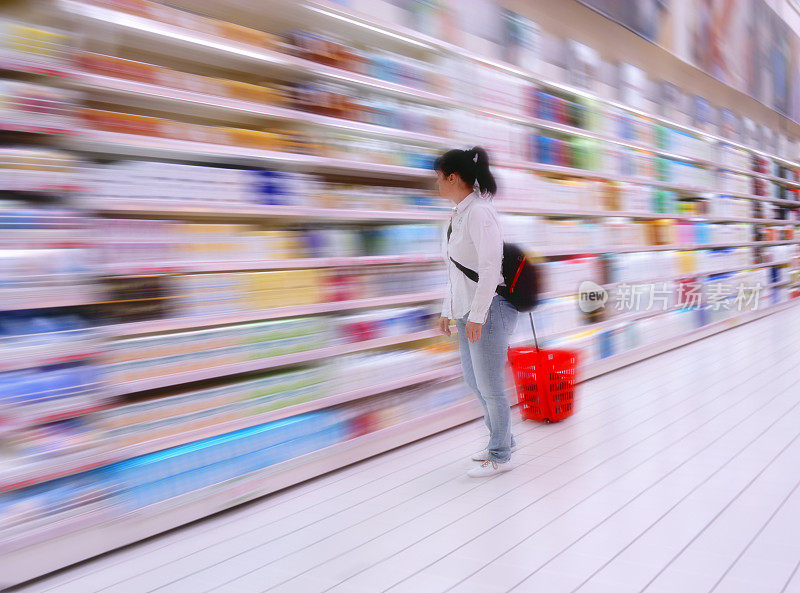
[{"x": 521, "y": 277}]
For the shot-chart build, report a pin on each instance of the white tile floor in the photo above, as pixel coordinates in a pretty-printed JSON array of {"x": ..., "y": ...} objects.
[{"x": 677, "y": 475}]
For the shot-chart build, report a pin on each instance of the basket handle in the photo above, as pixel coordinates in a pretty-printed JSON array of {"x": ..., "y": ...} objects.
[{"x": 535, "y": 341}]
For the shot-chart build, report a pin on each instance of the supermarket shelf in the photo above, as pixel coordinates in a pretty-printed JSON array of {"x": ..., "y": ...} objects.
[
  {"x": 708, "y": 136},
  {"x": 84, "y": 541},
  {"x": 585, "y": 173},
  {"x": 781, "y": 283},
  {"x": 79, "y": 462},
  {"x": 660, "y": 279},
  {"x": 686, "y": 247},
  {"x": 14, "y": 358},
  {"x": 30, "y": 474},
  {"x": 12, "y": 126},
  {"x": 415, "y": 38},
  {"x": 63, "y": 548},
  {"x": 366, "y": 22},
  {"x": 161, "y": 94},
  {"x": 326, "y": 402},
  {"x": 30, "y": 67},
  {"x": 180, "y": 323},
  {"x": 358, "y": 261},
  {"x": 255, "y": 265},
  {"x": 617, "y": 361},
  {"x": 638, "y": 215},
  {"x": 410, "y": 36},
  {"x": 110, "y": 84},
  {"x": 635, "y": 316},
  {"x": 569, "y": 130},
  {"x": 25, "y": 560},
  {"x": 163, "y": 36},
  {"x": 220, "y": 210},
  {"x": 26, "y": 187},
  {"x": 746, "y": 196},
  {"x": 40, "y": 531},
  {"x": 154, "y": 94},
  {"x": 248, "y": 53},
  {"x": 263, "y": 364},
  {"x": 115, "y": 143},
  {"x": 79, "y": 405},
  {"x": 575, "y": 172},
  {"x": 46, "y": 297},
  {"x": 600, "y": 325},
  {"x": 759, "y": 175}
]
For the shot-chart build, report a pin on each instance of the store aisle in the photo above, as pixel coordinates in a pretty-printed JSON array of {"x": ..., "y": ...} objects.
[{"x": 677, "y": 474}]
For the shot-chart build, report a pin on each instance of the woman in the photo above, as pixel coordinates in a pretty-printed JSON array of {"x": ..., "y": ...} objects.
[{"x": 485, "y": 320}]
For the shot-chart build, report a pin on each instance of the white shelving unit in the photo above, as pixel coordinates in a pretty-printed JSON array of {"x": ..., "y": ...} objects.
[
  {"x": 64, "y": 547},
  {"x": 84, "y": 535},
  {"x": 113, "y": 143},
  {"x": 158, "y": 96},
  {"x": 77, "y": 540},
  {"x": 179, "y": 323},
  {"x": 263, "y": 364}
]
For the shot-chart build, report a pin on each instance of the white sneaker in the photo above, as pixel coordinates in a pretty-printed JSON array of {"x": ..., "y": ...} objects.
[
  {"x": 489, "y": 468},
  {"x": 480, "y": 455},
  {"x": 484, "y": 455}
]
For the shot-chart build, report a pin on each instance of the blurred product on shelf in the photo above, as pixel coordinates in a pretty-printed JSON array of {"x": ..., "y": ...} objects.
[
  {"x": 37, "y": 170},
  {"x": 34, "y": 395},
  {"x": 339, "y": 145},
  {"x": 669, "y": 309},
  {"x": 384, "y": 65},
  {"x": 154, "y": 183},
  {"x": 214, "y": 410},
  {"x": 321, "y": 98},
  {"x": 336, "y": 101},
  {"x": 219, "y": 294},
  {"x": 139, "y": 358},
  {"x": 607, "y": 234},
  {"x": 733, "y": 157},
  {"x": 135, "y": 359},
  {"x": 147, "y": 479},
  {"x": 33, "y": 48},
  {"x": 47, "y": 448},
  {"x": 192, "y": 21},
  {"x": 136, "y": 244},
  {"x": 118, "y": 68},
  {"x": 42, "y": 246},
  {"x": 36, "y": 107},
  {"x": 29, "y": 515}
]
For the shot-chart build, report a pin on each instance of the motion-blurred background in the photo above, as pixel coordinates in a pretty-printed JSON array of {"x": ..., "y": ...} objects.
[{"x": 220, "y": 247}]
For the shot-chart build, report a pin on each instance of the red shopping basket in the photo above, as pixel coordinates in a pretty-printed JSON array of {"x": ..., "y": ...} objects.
[{"x": 545, "y": 381}]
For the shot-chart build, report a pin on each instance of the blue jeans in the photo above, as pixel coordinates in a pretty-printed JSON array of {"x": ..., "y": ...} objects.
[{"x": 484, "y": 365}]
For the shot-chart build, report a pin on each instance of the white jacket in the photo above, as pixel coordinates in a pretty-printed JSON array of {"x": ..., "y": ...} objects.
[{"x": 476, "y": 242}]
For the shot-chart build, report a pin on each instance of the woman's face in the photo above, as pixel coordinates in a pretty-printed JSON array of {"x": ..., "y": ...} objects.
[{"x": 446, "y": 185}]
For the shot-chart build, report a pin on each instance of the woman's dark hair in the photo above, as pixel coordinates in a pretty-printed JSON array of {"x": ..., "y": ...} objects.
[{"x": 471, "y": 165}]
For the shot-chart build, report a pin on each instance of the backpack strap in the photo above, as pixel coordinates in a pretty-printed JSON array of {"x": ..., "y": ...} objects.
[{"x": 471, "y": 274}]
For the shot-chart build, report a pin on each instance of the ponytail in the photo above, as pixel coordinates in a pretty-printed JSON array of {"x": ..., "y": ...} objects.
[
  {"x": 483, "y": 176},
  {"x": 471, "y": 165}
]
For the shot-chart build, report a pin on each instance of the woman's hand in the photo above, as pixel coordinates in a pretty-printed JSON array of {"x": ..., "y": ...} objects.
[
  {"x": 444, "y": 326},
  {"x": 473, "y": 331}
]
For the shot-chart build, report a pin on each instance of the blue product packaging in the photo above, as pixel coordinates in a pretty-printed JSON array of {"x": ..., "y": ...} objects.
[{"x": 606, "y": 345}]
